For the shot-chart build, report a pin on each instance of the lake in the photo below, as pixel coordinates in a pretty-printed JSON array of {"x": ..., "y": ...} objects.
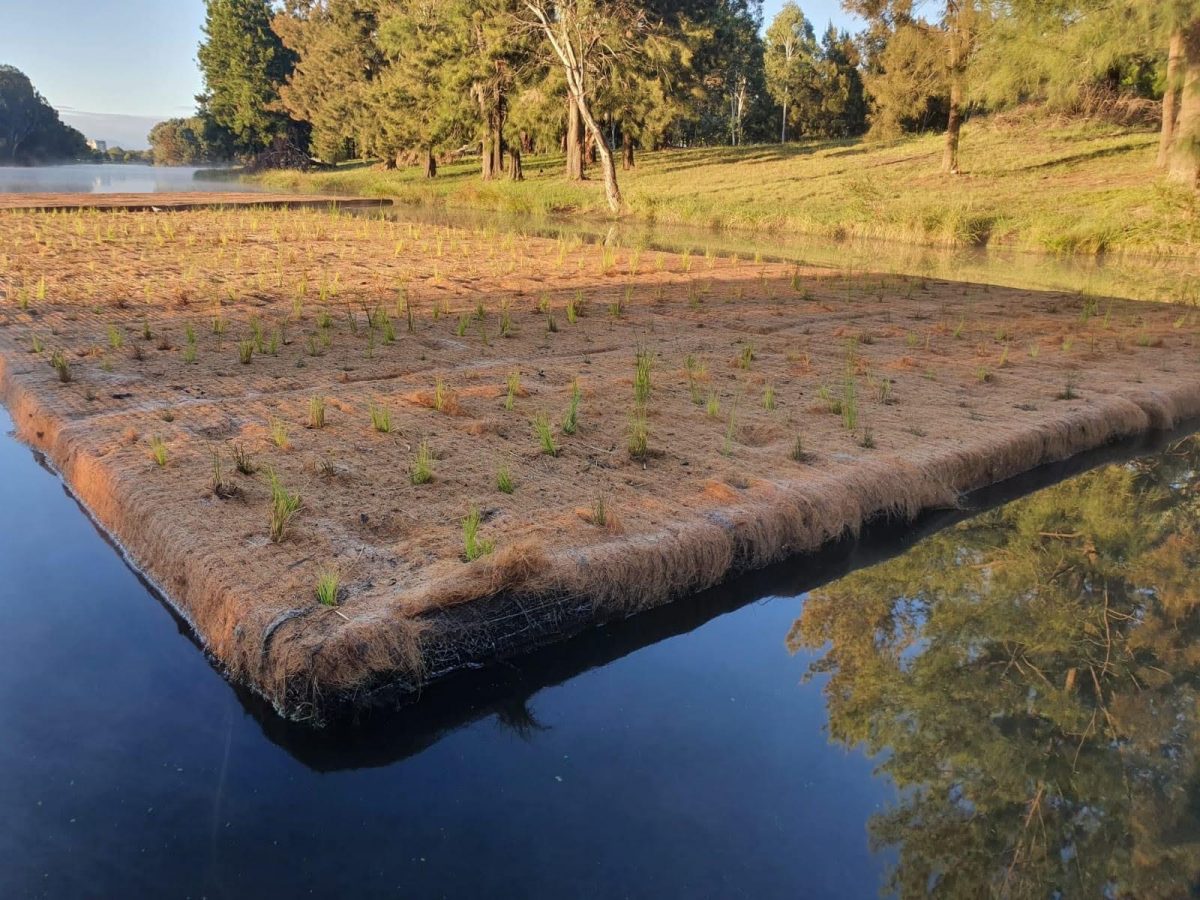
[
  {"x": 998, "y": 699},
  {"x": 115, "y": 178},
  {"x": 893, "y": 712}
]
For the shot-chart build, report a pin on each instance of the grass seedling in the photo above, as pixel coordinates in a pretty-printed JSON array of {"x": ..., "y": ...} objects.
[
  {"x": 283, "y": 507},
  {"x": 245, "y": 351},
  {"x": 464, "y": 320},
  {"x": 116, "y": 339},
  {"x": 642, "y": 376},
  {"x": 158, "y": 451},
  {"x": 712, "y": 407},
  {"x": 1068, "y": 392},
  {"x": 421, "y": 470},
  {"x": 849, "y": 404},
  {"x": 279, "y": 433},
  {"x": 545, "y": 435},
  {"x": 504, "y": 482},
  {"x": 316, "y": 412},
  {"x": 570, "y": 422},
  {"x": 514, "y": 387},
  {"x": 798, "y": 453},
  {"x": 639, "y": 434},
  {"x": 768, "y": 399},
  {"x": 599, "y": 513},
  {"x": 381, "y": 419},
  {"x": 58, "y": 360},
  {"x": 242, "y": 461},
  {"x": 440, "y": 395},
  {"x": 730, "y": 431},
  {"x": 328, "y": 585},
  {"x": 219, "y": 487},
  {"x": 36, "y": 345},
  {"x": 474, "y": 546},
  {"x": 746, "y": 357}
]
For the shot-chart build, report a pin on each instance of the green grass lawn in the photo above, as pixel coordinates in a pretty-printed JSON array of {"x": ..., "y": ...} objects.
[{"x": 1063, "y": 188}]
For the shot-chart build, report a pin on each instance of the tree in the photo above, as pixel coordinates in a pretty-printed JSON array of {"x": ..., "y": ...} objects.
[
  {"x": 244, "y": 63},
  {"x": 30, "y": 129},
  {"x": 176, "y": 142},
  {"x": 929, "y": 56},
  {"x": 336, "y": 58},
  {"x": 791, "y": 49},
  {"x": 588, "y": 39}
]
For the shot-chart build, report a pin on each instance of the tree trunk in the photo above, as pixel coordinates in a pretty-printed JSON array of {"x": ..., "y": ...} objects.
[
  {"x": 515, "y": 172},
  {"x": 627, "y": 162},
  {"x": 783, "y": 123},
  {"x": 491, "y": 104},
  {"x": 589, "y": 150},
  {"x": 574, "y": 141},
  {"x": 1170, "y": 101},
  {"x": 1185, "y": 149},
  {"x": 958, "y": 36},
  {"x": 430, "y": 164},
  {"x": 393, "y": 161},
  {"x": 612, "y": 192}
]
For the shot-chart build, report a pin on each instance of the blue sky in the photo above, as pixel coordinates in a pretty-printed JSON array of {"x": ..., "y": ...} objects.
[{"x": 115, "y": 68}]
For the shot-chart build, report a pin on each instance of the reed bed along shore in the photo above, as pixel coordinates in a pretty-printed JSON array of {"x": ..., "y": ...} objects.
[{"x": 357, "y": 453}]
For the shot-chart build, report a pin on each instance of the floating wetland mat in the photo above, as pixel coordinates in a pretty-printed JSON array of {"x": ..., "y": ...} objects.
[{"x": 699, "y": 414}]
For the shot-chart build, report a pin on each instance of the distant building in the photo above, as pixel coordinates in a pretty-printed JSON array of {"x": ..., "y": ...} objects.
[{"x": 98, "y": 146}]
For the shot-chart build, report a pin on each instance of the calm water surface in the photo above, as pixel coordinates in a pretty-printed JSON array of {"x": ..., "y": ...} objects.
[
  {"x": 115, "y": 178},
  {"x": 1006, "y": 704}
]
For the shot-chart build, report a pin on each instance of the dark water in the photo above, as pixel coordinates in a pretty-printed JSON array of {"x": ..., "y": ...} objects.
[
  {"x": 800, "y": 732},
  {"x": 115, "y": 178}
]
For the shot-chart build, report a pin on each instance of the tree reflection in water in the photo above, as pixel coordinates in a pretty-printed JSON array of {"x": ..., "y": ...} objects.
[{"x": 1030, "y": 680}]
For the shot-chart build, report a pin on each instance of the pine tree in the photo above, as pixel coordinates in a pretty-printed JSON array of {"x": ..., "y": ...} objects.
[{"x": 244, "y": 63}]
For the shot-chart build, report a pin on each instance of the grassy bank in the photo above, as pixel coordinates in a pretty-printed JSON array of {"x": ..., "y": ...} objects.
[{"x": 1066, "y": 188}]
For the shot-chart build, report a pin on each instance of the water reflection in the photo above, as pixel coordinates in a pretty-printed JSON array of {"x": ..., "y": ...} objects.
[
  {"x": 1030, "y": 680},
  {"x": 1129, "y": 276}
]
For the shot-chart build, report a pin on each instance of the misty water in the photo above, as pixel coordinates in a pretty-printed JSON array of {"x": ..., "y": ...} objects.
[
  {"x": 1000, "y": 699},
  {"x": 116, "y": 178}
]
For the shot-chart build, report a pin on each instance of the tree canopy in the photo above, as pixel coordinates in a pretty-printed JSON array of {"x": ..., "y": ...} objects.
[{"x": 30, "y": 129}]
